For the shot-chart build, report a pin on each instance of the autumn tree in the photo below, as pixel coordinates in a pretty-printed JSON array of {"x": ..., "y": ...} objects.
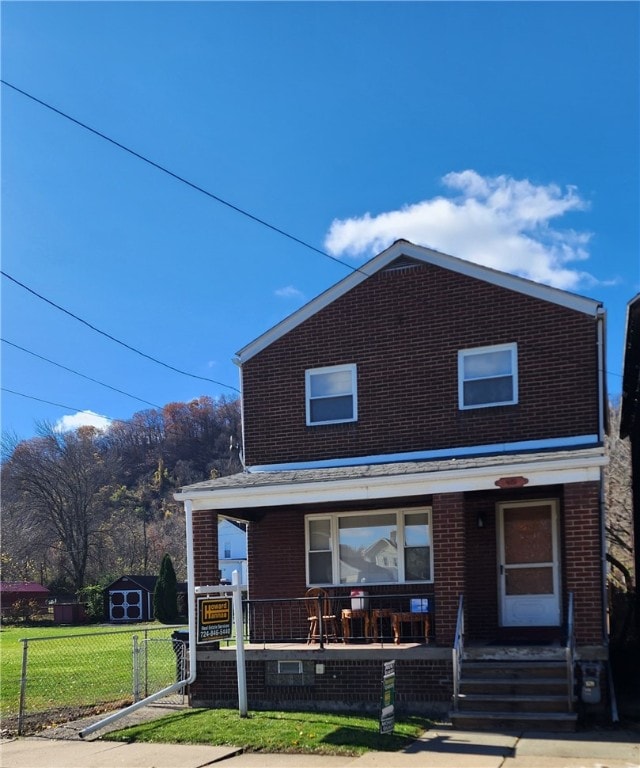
[{"x": 87, "y": 506}]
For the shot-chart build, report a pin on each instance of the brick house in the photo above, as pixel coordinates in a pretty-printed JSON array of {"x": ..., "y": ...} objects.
[{"x": 426, "y": 431}]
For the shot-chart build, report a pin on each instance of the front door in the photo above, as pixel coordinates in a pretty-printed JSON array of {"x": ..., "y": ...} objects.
[{"x": 529, "y": 578}]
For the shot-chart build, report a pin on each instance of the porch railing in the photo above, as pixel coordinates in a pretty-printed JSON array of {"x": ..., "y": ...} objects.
[
  {"x": 570, "y": 653},
  {"x": 286, "y": 620},
  {"x": 457, "y": 651}
]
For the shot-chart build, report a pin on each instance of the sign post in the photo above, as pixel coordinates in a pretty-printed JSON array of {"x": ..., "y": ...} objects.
[
  {"x": 214, "y": 622},
  {"x": 387, "y": 709}
]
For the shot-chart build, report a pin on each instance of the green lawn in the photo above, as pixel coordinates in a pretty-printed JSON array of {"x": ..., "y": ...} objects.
[
  {"x": 83, "y": 666},
  {"x": 75, "y": 666},
  {"x": 293, "y": 732}
]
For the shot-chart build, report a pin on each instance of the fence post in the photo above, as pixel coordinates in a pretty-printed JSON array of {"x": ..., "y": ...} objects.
[
  {"x": 146, "y": 663},
  {"x": 23, "y": 685},
  {"x": 136, "y": 669}
]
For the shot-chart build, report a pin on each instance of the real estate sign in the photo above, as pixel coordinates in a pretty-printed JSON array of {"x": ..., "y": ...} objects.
[
  {"x": 387, "y": 709},
  {"x": 214, "y": 619}
]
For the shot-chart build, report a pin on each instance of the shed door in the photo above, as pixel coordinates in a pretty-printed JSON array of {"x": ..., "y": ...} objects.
[
  {"x": 529, "y": 572},
  {"x": 125, "y": 605}
]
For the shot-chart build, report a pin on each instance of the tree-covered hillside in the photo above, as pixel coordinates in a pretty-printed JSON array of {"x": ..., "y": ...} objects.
[{"x": 85, "y": 507}]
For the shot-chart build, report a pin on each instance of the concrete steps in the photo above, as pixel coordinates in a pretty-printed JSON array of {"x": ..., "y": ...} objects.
[{"x": 506, "y": 689}]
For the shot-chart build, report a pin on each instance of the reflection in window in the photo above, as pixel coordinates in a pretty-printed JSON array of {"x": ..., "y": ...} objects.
[
  {"x": 374, "y": 548},
  {"x": 417, "y": 559},
  {"x": 366, "y": 541}
]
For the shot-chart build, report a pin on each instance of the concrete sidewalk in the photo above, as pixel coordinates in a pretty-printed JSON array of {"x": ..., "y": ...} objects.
[{"x": 441, "y": 747}]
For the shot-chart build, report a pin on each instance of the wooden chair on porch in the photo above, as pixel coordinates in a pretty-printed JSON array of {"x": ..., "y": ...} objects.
[{"x": 319, "y": 606}]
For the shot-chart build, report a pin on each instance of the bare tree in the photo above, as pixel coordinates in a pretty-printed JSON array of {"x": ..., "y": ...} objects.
[{"x": 59, "y": 482}]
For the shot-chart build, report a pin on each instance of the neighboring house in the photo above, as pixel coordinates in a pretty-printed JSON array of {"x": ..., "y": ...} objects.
[
  {"x": 130, "y": 598},
  {"x": 431, "y": 429},
  {"x": 232, "y": 550},
  {"x": 12, "y": 592},
  {"x": 630, "y": 424}
]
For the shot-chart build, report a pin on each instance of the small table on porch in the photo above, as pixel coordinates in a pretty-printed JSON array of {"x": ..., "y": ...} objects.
[
  {"x": 418, "y": 621},
  {"x": 348, "y": 615},
  {"x": 377, "y": 615}
]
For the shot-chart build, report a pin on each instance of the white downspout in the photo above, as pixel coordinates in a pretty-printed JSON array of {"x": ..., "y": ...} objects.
[
  {"x": 188, "y": 513},
  {"x": 238, "y": 362}
]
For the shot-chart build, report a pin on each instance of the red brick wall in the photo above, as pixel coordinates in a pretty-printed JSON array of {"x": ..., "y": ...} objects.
[
  {"x": 205, "y": 548},
  {"x": 583, "y": 559},
  {"x": 276, "y": 555},
  {"x": 403, "y": 329},
  {"x": 421, "y": 685},
  {"x": 449, "y": 565},
  {"x": 481, "y": 557}
]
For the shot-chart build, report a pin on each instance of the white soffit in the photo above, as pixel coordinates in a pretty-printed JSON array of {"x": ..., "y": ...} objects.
[{"x": 428, "y": 256}]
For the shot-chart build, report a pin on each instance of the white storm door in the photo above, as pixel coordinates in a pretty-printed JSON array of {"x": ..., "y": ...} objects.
[{"x": 529, "y": 568}]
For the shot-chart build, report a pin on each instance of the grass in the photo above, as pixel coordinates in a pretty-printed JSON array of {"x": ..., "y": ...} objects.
[
  {"x": 278, "y": 732},
  {"x": 73, "y": 666},
  {"x": 87, "y": 667}
]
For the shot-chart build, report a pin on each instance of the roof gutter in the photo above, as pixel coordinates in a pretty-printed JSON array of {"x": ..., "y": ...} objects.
[{"x": 188, "y": 509}]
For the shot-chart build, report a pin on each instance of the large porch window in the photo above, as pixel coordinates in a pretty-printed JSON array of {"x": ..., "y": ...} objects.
[{"x": 388, "y": 547}]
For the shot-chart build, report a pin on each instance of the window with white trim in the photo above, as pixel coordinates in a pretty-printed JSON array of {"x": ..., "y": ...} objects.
[
  {"x": 488, "y": 376},
  {"x": 331, "y": 395},
  {"x": 382, "y": 547}
]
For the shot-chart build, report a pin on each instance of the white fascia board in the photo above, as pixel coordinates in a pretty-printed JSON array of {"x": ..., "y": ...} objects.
[
  {"x": 553, "y": 472},
  {"x": 505, "y": 280},
  {"x": 428, "y": 256}
]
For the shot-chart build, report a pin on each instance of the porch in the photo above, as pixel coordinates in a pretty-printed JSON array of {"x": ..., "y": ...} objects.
[
  {"x": 479, "y": 685},
  {"x": 346, "y": 617}
]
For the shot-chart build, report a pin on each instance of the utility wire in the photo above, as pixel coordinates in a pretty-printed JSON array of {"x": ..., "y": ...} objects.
[
  {"x": 175, "y": 176},
  {"x": 49, "y": 402},
  {"x": 82, "y": 375},
  {"x": 113, "y": 338}
]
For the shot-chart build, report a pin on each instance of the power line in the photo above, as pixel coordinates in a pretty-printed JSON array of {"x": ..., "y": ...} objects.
[
  {"x": 177, "y": 177},
  {"x": 113, "y": 338},
  {"x": 49, "y": 402},
  {"x": 77, "y": 373}
]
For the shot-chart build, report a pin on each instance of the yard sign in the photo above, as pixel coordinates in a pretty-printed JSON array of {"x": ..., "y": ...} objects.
[
  {"x": 387, "y": 711},
  {"x": 214, "y": 619}
]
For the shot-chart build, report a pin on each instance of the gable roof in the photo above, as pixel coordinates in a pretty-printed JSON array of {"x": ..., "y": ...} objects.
[
  {"x": 403, "y": 248},
  {"x": 147, "y": 583}
]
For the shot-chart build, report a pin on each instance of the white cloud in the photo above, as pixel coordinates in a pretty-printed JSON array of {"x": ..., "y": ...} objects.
[
  {"x": 289, "y": 292},
  {"x": 82, "y": 419},
  {"x": 500, "y": 222}
]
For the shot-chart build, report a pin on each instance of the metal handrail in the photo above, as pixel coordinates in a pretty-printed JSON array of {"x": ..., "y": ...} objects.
[
  {"x": 457, "y": 651},
  {"x": 570, "y": 652}
]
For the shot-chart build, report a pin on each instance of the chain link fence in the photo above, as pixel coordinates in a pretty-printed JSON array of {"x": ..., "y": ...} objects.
[{"x": 65, "y": 678}]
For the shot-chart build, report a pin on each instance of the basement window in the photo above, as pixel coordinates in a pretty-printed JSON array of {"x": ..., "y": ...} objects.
[{"x": 289, "y": 667}]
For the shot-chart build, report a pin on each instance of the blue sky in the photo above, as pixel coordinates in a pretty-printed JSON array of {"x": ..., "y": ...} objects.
[{"x": 505, "y": 133}]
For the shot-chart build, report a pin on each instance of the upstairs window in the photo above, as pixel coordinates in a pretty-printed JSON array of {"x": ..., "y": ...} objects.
[
  {"x": 488, "y": 376},
  {"x": 331, "y": 395}
]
